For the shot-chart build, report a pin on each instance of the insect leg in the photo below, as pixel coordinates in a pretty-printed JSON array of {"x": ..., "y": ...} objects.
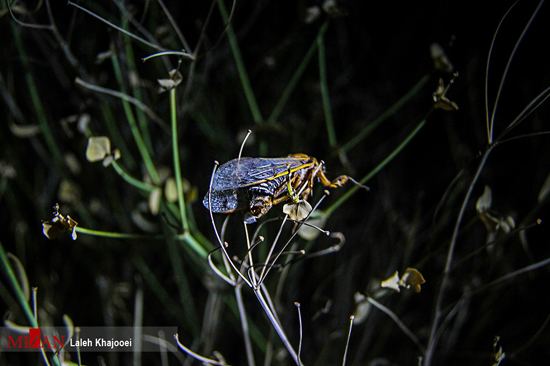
[
  {"x": 290, "y": 190},
  {"x": 338, "y": 182},
  {"x": 341, "y": 180}
]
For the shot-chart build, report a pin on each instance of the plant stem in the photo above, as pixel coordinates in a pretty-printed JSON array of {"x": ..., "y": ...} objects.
[
  {"x": 243, "y": 74},
  {"x": 12, "y": 279},
  {"x": 136, "y": 133},
  {"x": 324, "y": 91},
  {"x": 432, "y": 343},
  {"x": 176, "y": 155},
  {"x": 379, "y": 167},
  {"x": 278, "y": 109},
  {"x": 387, "y": 113}
]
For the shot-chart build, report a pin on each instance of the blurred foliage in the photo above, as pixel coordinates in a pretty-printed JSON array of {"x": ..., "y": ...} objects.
[{"x": 348, "y": 86}]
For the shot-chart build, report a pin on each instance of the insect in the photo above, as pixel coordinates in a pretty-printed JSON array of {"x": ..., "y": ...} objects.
[{"x": 258, "y": 184}]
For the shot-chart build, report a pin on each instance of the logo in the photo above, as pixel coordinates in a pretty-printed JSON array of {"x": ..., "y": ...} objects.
[
  {"x": 87, "y": 339},
  {"x": 35, "y": 340}
]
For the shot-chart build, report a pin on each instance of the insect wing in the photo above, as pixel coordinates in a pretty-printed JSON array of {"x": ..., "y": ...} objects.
[
  {"x": 229, "y": 192},
  {"x": 246, "y": 172},
  {"x": 228, "y": 200},
  {"x": 232, "y": 179}
]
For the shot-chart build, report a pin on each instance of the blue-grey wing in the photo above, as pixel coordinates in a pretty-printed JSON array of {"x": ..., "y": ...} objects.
[
  {"x": 228, "y": 200},
  {"x": 245, "y": 172},
  {"x": 232, "y": 180}
]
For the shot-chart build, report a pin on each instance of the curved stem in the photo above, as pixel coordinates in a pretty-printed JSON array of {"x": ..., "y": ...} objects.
[
  {"x": 432, "y": 343},
  {"x": 505, "y": 73}
]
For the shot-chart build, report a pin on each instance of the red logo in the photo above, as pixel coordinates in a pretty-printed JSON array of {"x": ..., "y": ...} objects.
[{"x": 35, "y": 341}]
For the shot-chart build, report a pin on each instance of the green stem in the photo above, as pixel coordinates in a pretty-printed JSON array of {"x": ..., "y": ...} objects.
[
  {"x": 134, "y": 127},
  {"x": 379, "y": 167},
  {"x": 324, "y": 91},
  {"x": 388, "y": 113},
  {"x": 136, "y": 90},
  {"x": 176, "y": 154},
  {"x": 107, "y": 234},
  {"x": 131, "y": 180},
  {"x": 438, "y": 314},
  {"x": 243, "y": 74},
  {"x": 12, "y": 279},
  {"x": 195, "y": 245},
  {"x": 278, "y": 109},
  {"x": 37, "y": 103},
  {"x": 188, "y": 307},
  {"x": 115, "y": 135}
]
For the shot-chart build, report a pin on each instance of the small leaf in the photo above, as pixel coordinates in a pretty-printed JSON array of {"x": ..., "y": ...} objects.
[
  {"x": 491, "y": 222},
  {"x": 69, "y": 326},
  {"x": 102, "y": 56},
  {"x": 141, "y": 220},
  {"x": 440, "y": 99},
  {"x": 392, "y": 282},
  {"x": 333, "y": 8},
  {"x": 362, "y": 310},
  {"x": 498, "y": 355},
  {"x": 412, "y": 279},
  {"x": 69, "y": 191},
  {"x": 72, "y": 162},
  {"x": 52, "y": 229},
  {"x": 154, "y": 200},
  {"x": 72, "y": 224},
  {"x": 166, "y": 84},
  {"x": 24, "y": 131},
  {"x": 171, "y": 190},
  {"x": 174, "y": 80},
  {"x": 107, "y": 161},
  {"x": 484, "y": 202},
  {"x": 297, "y": 210},
  {"x": 440, "y": 59},
  {"x": 83, "y": 122},
  {"x": 190, "y": 192},
  {"x": 312, "y": 14},
  {"x": 58, "y": 225},
  {"x": 98, "y": 148},
  {"x": 7, "y": 170},
  {"x": 309, "y": 233}
]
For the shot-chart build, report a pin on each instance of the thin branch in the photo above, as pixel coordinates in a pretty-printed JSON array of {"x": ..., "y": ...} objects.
[
  {"x": 399, "y": 323},
  {"x": 139, "y": 104}
]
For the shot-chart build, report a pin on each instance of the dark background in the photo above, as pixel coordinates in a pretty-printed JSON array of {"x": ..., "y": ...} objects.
[{"x": 374, "y": 56}]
